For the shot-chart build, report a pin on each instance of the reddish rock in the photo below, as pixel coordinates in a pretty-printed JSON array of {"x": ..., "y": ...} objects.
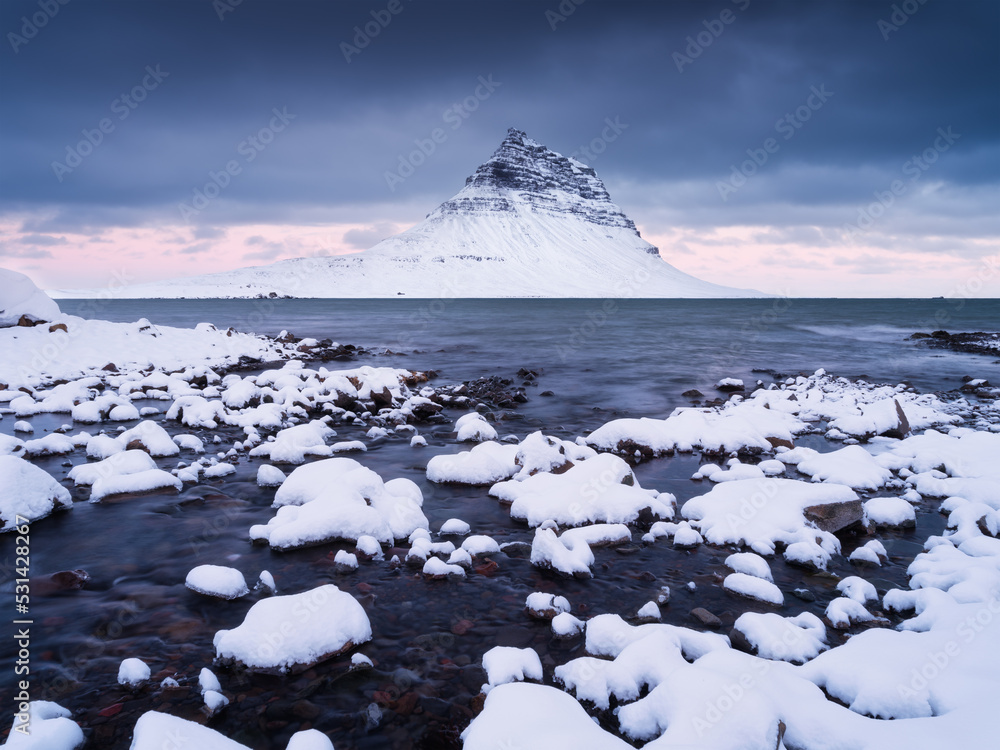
[
  {"x": 111, "y": 710},
  {"x": 487, "y": 569}
]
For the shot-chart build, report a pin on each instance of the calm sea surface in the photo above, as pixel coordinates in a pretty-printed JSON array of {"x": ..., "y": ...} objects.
[{"x": 600, "y": 359}]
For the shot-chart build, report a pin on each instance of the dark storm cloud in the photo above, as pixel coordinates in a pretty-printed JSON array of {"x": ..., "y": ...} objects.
[{"x": 143, "y": 105}]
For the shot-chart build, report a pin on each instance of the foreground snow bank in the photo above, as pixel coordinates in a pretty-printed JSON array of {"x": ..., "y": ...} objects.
[
  {"x": 28, "y": 491},
  {"x": 37, "y": 356},
  {"x": 19, "y": 297},
  {"x": 156, "y": 731}
]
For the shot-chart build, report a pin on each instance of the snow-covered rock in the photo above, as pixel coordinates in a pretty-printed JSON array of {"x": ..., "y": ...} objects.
[
  {"x": 600, "y": 489},
  {"x": 47, "y": 726},
  {"x": 28, "y": 491},
  {"x": 133, "y": 672},
  {"x": 286, "y": 632},
  {"x": 154, "y": 728},
  {"x": 505, "y": 664},
  {"x": 218, "y": 581},
  {"x": 19, "y": 297}
]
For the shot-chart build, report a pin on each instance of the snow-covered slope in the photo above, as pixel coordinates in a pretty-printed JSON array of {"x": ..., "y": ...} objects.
[{"x": 528, "y": 223}]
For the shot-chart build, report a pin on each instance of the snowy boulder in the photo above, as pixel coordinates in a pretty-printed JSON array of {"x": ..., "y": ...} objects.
[
  {"x": 536, "y": 717},
  {"x": 150, "y": 437},
  {"x": 133, "y": 672},
  {"x": 843, "y": 613},
  {"x": 853, "y": 466},
  {"x": 753, "y": 587},
  {"x": 155, "y": 728},
  {"x": 751, "y": 564},
  {"x": 487, "y": 463},
  {"x": 293, "y": 444},
  {"x": 437, "y": 569},
  {"x": 538, "y": 453},
  {"x": 338, "y": 499},
  {"x": 270, "y": 476},
  {"x": 21, "y": 299},
  {"x": 474, "y": 428},
  {"x": 771, "y": 636},
  {"x": 505, "y": 664},
  {"x": 571, "y": 556},
  {"x": 543, "y": 606},
  {"x": 48, "y": 727},
  {"x": 602, "y": 489},
  {"x": 139, "y": 483},
  {"x": 292, "y": 632},
  {"x": 889, "y": 511},
  {"x": 309, "y": 739},
  {"x": 123, "y": 462},
  {"x": 28, "y": 492},
  {"x": 761, "y": 513},
  {"x": 218, "y": 581}
]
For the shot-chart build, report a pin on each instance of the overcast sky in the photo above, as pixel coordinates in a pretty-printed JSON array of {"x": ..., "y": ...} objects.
[{"x": 811, "y": 148}]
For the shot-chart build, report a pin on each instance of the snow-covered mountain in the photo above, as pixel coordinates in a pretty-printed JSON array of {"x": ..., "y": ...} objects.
[{"x": 528, "y": 223}]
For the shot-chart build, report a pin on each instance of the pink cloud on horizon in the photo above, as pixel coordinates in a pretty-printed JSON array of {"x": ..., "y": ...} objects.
[{"x": 798, "y": 262}]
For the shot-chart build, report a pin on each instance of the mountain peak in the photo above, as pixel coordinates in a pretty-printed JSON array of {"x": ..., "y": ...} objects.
[{"x": 522, "y": 175}]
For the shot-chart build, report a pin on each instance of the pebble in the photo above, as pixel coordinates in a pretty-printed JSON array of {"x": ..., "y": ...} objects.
[{"x": 706, "y": 618}]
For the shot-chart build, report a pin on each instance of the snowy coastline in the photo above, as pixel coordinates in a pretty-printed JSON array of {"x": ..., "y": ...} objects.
[{"x": 922, "y": 657}]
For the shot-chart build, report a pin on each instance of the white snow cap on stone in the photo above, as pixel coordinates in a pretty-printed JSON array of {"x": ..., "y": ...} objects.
[
  {"x": 133, "y": 672},
  {"x": 505, "y": 664},
  {"x": 473, "y": 427},
  {"x": 49, "y": 727},
  {"x": 217, "y": 580},
  {"x": 19, "y": 296},
  {"x": 309, "y": 739},
  {"x": 154, "y": 728},
  {"x": 28, "y": 491},
  {"x": 298, "y": 629}
]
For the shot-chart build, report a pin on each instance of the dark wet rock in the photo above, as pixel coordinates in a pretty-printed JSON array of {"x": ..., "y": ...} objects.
[
  {"x": 706, "y": 618},
  {"x": 902, "y": 428},
  {"x": 730, "y": 387},
  {"x": 516, "y": 549},
  {"x": 777, "y": 442},
  {"x": 546, "y": 393},
  {"x": 978, "y": 342},
  {"x": 627, "y": 549},
  {"x": 804, "y": 594},
  {"x": 834, "y": 517},
  {"x": 27, "y": 322},
  {"x": 693, "y": 393},
  {"x": 514, "y": 635}
]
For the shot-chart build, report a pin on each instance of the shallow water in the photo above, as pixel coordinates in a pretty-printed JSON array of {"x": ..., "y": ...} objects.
[{"x": 430, "y": 636}]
